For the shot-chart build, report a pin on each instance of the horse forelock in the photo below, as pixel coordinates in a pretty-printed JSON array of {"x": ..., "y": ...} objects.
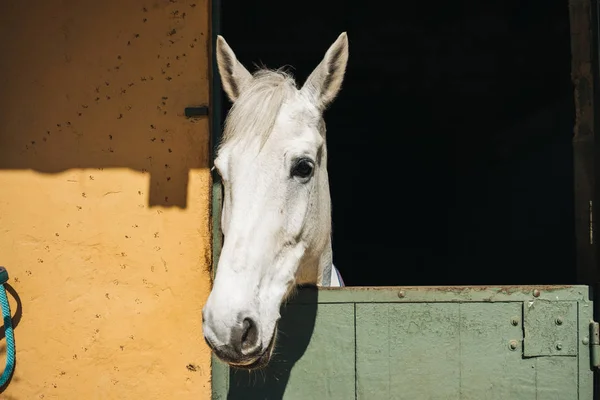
[{"x": 254, "y": 113}]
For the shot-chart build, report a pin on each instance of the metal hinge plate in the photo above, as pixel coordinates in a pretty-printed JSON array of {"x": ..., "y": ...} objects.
[
  {"x": 595, "y": 344},
  {"x": 550, "y": 328}
]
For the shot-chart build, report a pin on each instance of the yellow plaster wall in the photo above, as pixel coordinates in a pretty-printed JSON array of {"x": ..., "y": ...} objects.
[{"x": 104, "y": 197}]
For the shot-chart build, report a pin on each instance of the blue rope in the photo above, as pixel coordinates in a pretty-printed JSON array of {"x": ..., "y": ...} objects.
[{"x": 8, "y": 330}]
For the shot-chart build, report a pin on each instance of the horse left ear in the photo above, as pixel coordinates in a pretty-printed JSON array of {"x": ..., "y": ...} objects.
[
  {"x": 325, "y": 82},
  {"x": 234, "y": 76}
]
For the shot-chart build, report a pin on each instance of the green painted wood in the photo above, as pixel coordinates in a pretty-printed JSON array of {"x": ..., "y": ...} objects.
[
  {"x": 556, "y": 378},
  {"x": 302, "y": 367},
  {"x": 215, "y": 109},
  {"x": 217, "y": 234},
  {"x": 219, "y": 379},
  {"x": 585, "y": 373},
  {"x": 424, "y": 343},
  {"x": 407, "y": 351},
  {"x": 453, "y": 351},
  {"x": 426, "y": 294},
  {"x": 489, "y": 369}
]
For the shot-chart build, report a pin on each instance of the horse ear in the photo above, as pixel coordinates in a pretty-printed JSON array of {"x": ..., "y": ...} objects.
[
  {"x": 234, "y": 76},
  {"x": 325, "y": 81}
]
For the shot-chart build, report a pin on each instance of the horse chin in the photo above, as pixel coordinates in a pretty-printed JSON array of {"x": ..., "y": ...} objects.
[{"x": 262, "y": 361}]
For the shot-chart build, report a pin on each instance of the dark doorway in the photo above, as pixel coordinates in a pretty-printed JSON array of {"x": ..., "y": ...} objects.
[{"x": 450, "y": 143}]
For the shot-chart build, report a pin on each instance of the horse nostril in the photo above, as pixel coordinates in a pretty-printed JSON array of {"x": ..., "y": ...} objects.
[{"x": 249, "y": 338}]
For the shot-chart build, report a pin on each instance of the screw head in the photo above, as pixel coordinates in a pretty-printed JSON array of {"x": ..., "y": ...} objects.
[
  {"x": 559, "y": 321},
  {"x": 513, "y": 345},
  {"x": 401, "y": 294},
  {"x": 514, "y": 321},
  {"x": 559, "y": 346},
  {"x": 536, "y": 293},
  {"x": 585, "y": 340}
]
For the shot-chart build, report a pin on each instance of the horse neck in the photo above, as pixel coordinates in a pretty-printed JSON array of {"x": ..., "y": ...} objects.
[
  {"x": 325, "y": 262},
  {"x": 316, "y": 263},
  {"x": 311, "y": 270}
]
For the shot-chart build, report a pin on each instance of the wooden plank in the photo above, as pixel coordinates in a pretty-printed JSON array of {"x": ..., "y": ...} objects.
[
  {"x": 314, "y": 357},
  {"x": 215, "y": 226},
  {"x": 219, "y": 379},
  {"x": 583, "y": 137},
  {"x": 585, "y": 373},
  {"x": 489, "y": 369},
  {"x": 407, "y": 351},
  {"x": 454, "y": 351},
  {"x": 216, "y": 95},
  {"x": 584, "y": 75},
  {"x": 556, "y": 378},
  {"x": 425, "y": 294}
]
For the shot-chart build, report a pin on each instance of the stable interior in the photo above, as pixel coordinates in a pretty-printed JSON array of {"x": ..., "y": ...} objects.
[{"x": 450, "y": 156}]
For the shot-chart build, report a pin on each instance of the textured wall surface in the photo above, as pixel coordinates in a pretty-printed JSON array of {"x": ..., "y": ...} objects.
[{"x": 104, "y": 197}]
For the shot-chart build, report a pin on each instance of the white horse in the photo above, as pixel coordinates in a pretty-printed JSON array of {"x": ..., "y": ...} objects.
[{"x": 276, "y": 217}]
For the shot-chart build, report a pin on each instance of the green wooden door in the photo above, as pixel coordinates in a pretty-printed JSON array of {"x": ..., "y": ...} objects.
[{"x": 467, "y": 343}]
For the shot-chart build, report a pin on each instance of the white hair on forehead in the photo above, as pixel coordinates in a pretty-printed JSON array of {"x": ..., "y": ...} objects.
[{"x": 254, "y": 113}]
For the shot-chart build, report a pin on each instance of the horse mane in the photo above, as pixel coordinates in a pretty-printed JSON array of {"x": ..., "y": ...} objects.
[{"x": 255, "y": 111}]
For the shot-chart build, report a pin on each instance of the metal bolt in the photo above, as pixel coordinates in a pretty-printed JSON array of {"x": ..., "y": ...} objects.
[
  {"x": 536, "y": 293},
  {"x": 513, "y": 345},
  {"x": 559, "y": 346},
  {"x": 401, "y": 294},
  {"x": 514, "y": 321},
  {"x": 585, "y": 341},
  {"x": 559, "y": 321}
]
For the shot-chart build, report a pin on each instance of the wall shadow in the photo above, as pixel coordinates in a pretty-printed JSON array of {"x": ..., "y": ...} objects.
[
  {"x": 84, "y": 93},
  {"x": 295, "y": 331}
]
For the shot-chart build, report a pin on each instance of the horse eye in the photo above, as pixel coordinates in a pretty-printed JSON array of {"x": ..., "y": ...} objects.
[{"x": 302, "y": 168}]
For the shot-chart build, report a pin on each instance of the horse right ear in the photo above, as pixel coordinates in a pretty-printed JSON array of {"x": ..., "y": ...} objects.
[
  {"x": 325, "y": 81},
  {"x": 234, "y": 76}
]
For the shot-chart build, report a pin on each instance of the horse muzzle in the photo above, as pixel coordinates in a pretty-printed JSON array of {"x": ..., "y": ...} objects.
[{"x": 257, "y": 359}]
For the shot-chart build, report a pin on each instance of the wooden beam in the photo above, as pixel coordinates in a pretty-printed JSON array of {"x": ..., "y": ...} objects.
[{"x": 583, "y": 76}]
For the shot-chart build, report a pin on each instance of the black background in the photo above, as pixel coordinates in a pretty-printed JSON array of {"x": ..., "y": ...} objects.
[{"x": 450, "y": 156}]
